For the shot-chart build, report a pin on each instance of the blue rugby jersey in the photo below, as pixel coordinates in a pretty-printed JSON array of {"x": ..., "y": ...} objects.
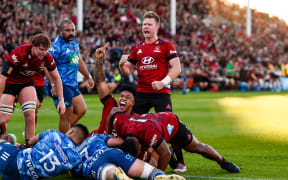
[
  {"x": 55, "y": 153},
  {"x": 66, "y": 56},
  {"x": 89, "y": 151}
]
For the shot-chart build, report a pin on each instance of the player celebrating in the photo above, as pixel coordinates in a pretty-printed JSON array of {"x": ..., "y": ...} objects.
[
  {"x": 126, "y": 98},
  {"x": 16, "y": 80},
  {"x": 66, "y": 52},
  {"x": 152, "y": 59},
  {"x": 53, "y": 153},
  {"x": 155, "y": 130}
]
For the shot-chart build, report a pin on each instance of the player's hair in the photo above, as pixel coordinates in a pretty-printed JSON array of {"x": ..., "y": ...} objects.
[
  {"x": 81, "y": 130},
  {"x": 129, "y": 88},
  {"x": 64, "y": 21},
  {"x": 129, "y": 145},
  {"x": 41, "y": 39},
  {"x": 152, "y": 14}
]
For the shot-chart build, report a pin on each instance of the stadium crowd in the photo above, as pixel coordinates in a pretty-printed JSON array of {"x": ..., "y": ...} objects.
[{"x": 214, "y": 51}]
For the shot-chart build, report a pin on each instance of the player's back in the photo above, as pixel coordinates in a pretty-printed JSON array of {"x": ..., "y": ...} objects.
[
  {"x": 55, "y": 153},
  {"x": 166, "y": 123}
]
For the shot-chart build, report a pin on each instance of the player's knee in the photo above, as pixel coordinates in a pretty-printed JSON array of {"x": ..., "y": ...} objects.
[{"x": 29, "y": 106}]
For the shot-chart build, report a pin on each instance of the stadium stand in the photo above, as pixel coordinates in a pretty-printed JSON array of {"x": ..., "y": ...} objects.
[{"x": 209, "y": 34}]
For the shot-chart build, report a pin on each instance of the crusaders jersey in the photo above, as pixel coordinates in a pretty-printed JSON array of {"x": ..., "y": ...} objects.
[
  {"x": 67, "y": 57},
  {"x": 109, "y": 102},
  {"x": 38, "y": 78},
  {"x": 152, "y": 63},
  {"x": 149, "y": 128},
  {"x": 54, "y": 154},
  {"x": 25, "y": 65}
]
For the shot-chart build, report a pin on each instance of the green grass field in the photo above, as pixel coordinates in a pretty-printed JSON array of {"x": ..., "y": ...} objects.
[{"x": 223, "y": 120}]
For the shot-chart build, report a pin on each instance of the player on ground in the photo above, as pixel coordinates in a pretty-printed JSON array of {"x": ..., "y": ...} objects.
[
  {"x": 52, "y": 153},
  {"x": 16, "y": 80},
  {"x": 157, "y": 64},
  {"x": 66, "y": 52},
  {"x": 101, "y": 161},
  {"x": 156, "y": 130}
]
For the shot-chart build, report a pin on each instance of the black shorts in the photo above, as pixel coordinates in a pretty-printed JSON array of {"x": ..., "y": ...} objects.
[
  {"x": 183, "y": 137},
  {"x": 14, "y": 89},
  {"x": 40, "y": 92},
  {"x": 145, "y": 101}
]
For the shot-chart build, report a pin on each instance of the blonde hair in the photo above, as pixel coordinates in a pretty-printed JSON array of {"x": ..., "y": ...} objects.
[{"x": 152, "y": 14}]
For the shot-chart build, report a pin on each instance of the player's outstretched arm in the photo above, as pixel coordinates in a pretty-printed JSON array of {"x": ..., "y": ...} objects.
[
  {"x": 99, "y": 75},
  {"x": 125, "y": 66}
]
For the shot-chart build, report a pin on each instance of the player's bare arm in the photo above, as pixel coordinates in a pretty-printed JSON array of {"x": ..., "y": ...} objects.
[
  {"x": 34, "y": 140},
  {"x": 174, "y": 71},
  {"x": 99, "y": 75},
  {"x": 164, "y": 155},
  {"x": 109, "y": 124},
  {"x": 59, "y": 90},
  {"x": 47, "y": 74},
  {"x": 125, "y": 66},
  {"x": 2, "y": 83},
  {"x": 83, "y": 70}
]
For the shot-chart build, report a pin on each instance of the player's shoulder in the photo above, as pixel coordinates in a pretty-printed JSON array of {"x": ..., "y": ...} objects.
[
  {"x": 139, "y": 44},
  {"x": 163, "y": 41},
  {"x": 24, "y": 50}
]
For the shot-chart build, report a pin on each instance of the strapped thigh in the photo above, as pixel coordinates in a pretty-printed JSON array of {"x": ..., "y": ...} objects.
[
  {"x": 6, "y": 109},
  {"x": 29, "y": 105}
]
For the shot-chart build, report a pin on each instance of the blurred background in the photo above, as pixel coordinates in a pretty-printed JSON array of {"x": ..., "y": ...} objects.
[{"x": 217, "y": 52}]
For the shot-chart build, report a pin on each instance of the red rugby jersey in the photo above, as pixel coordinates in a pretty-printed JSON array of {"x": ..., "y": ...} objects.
[
  {"x": 25, "y": 65},
  {"x": 149, "y": 128},
  {"x": 152, "y": 63}
]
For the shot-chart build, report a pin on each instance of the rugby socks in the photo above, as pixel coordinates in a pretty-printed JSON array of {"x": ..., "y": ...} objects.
[
  {"x": 155, "y": 173},
  {"x": 27, "y": 143},
  {"x": 178, "y": 154},
  {"x": 222, "y": 161}
]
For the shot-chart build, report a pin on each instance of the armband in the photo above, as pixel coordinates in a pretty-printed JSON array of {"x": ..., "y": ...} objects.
[
  {"x": 7, "y": 69},
  {"x": 166, "y": 80},
  {"x": 90, "y": 77}
]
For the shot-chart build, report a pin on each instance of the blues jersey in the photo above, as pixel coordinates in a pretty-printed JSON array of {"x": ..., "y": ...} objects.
[
  {"x": 66, "y": 56},
  {"x": 89, "y": 151},
  {"x": 55, "y": 153}
]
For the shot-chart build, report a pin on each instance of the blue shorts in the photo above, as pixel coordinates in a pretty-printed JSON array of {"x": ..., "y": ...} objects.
[
  {"x": 115, "y": 157},
  {"x": 69, "y": 93},
  {"x": 8, "y": 161}
]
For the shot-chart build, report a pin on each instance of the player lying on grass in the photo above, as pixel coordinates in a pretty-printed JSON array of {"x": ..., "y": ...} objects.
[
  {"x": 156, "y": 130},
  {"x": 102, "y": 162},
  {"x": 52, "y": 153}
]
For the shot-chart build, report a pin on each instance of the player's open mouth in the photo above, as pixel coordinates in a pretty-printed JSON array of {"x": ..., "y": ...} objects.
[
  {"x": 122, "y": 103},
  {"x": 146, "y": 32}
]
